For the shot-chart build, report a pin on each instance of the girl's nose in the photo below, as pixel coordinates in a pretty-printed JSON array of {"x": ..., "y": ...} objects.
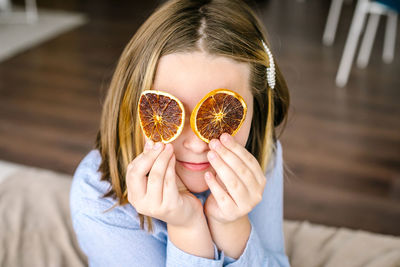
[{"x": 192, "y": 142}]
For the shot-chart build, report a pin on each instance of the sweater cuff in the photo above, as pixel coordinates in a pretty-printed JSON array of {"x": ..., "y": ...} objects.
[
  {"x": 252, "y": 254},
  {"x": 178, "y": 257}
]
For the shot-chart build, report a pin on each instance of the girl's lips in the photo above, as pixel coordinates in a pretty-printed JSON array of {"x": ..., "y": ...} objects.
[{"x": 195, "y": 166}]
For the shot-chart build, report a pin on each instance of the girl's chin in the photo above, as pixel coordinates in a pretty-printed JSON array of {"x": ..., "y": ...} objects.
[
  {"x": 197, "y": 189},
  {"x": 194, "y": 181}
]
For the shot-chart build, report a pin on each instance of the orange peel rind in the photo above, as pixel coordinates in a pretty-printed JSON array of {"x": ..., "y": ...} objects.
[
  {"x": 161, "y": 116},
  {"x": 220, "y": 111}
]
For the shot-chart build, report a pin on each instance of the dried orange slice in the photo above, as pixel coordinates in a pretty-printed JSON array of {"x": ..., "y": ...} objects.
[
  {"x": 220, "y": 111},
  {"x": 161, "y": 115}
]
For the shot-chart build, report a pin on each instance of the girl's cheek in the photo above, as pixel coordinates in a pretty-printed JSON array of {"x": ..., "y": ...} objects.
[{"x": 244, "y": 132}]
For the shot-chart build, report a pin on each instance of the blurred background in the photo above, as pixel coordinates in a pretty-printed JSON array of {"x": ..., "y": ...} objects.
[{"x": 341, "y": 144}]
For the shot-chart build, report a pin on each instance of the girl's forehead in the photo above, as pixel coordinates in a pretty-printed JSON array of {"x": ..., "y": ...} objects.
[{"x": 190, "y": 76}]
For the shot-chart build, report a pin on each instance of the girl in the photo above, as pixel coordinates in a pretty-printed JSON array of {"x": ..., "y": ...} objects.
[{"x": 187, "y": 203}]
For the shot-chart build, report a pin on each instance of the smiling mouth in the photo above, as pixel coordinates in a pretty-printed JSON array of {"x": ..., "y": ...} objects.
[{"x": 194, "y": 166}]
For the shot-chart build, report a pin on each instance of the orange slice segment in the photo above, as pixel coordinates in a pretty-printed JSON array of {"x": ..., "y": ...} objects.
[
  {"x": 161, "y": 115},
  {"x": 220, "y": 111}
]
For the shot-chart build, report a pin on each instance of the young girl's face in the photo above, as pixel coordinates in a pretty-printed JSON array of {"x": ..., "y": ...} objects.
[{"x": 189, "y": 77}]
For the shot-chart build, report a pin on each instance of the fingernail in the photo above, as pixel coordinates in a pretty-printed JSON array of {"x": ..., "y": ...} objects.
[
  {"x": 157, "y": 146},
  {"x": 215, "y": 144},
  {"x": 168, "y": 146},
  {"x": 212, "y": 155},
  {"x": 225, "y": 137},
  {"x": 149, "y": 144}
]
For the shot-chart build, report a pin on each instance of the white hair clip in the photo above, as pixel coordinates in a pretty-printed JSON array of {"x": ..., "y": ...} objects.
[{"x": 271, "y": 68}]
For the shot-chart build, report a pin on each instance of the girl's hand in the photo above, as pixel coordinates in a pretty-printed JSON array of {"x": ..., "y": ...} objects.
[
  {"x": 242, "y": 177},
  {"x": 153, "y": 187}
]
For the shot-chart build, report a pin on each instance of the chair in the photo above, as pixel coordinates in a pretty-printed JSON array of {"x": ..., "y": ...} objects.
[
  {"x": 31, "y": 13},
  {"x": 374, "y": 9},
  {"x": 332, "y": 21}
]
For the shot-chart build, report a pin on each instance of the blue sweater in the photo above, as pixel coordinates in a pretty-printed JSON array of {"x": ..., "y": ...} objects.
[{"x": 115, "y": 238}]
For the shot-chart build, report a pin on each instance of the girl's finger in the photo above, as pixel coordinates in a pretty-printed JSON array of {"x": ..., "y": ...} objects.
[
  {"x": 170, "y": 191},
  {"x": 246, "y": 157},
  {"x": 143, "y": 163},
  {"x": 237, "y": 165},
  {"x": 233, "y": 184},
  {"x": 137, "y": 170},
  {"x": 148, "y": 146},
  {"x": 224, "y": 201},
  {"x": 155, "y": 181}
]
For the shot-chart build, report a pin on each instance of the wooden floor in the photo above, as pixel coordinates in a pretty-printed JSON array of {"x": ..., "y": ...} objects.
[{"x": 341, "y": 146}]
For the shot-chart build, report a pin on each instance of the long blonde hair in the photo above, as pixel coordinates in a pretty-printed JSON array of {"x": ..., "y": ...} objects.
[{"x": 219, "y": 27}]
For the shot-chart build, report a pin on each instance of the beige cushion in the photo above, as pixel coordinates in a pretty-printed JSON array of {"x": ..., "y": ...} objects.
[
  {"x": 35, "y": 224},
  {"x": 36, "y": 229},
  {"x": 309, "y": 245}
]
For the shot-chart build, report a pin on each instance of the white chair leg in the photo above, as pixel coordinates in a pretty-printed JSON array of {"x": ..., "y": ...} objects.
[
  {"x": 368, "y": 40},
  {"x": 332, "y": 21},
  {"x": 390, "y": 37},
  {"x": 31, "y": 11},
  {"x": 351, "y": 43},
  {"x": 5, "y": 5}
]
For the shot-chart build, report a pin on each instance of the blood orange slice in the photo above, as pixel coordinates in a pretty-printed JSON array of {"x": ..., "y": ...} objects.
[
  {"x": 161, "y": 115},
  {"x": 220, "y": 111}
]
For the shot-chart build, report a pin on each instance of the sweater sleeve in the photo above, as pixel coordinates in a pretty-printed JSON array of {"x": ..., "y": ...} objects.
[
  {"x": 114, "y": 238},
  {"x": 265, "y": 246},
  {"x": 178, "y": 257}
]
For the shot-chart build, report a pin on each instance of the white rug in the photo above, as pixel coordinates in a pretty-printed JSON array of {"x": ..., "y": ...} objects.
[{"x": 17, "y": 36}]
